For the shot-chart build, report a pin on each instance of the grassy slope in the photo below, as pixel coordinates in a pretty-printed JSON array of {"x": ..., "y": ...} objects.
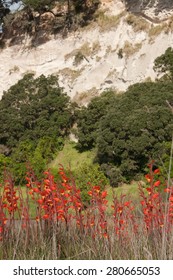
[
  {"x": 131, "y": 190},
  {"x": 71, "y": 157}
]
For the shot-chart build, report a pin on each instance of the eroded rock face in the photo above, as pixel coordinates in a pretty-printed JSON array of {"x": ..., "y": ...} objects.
[
  {"x": 143, "y": 5},
  {"x": 103, "y": 67}
]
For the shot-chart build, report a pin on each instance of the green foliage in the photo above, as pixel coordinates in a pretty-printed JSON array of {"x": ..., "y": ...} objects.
[
  {"x": 167, "y": 160},
  {"x": 88, "y": 119},
  {"x": 164, "y": 64},
  {"x": 34, "y": 108},
  {"x": 4, "y": 164},
  {"x": 20, "y": 156},
  {"x": 35, "y": 155},
  {"x": 71, "y": 157},
  {"x": 114, "y": 174},
  {"x": 48, "y": 146},
  {"x": 134, "y": 129},
  {"x": 87, "y": 175},
  {"x": 38, "y": 4},
  {"x": 129, "y": 130},
  {"x": 35, "y": 116}
]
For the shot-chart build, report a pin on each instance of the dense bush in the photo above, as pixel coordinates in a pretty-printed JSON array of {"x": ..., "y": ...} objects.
[
  {"x": 37, "y": 156},
  {"x": 87, "y": 174}
]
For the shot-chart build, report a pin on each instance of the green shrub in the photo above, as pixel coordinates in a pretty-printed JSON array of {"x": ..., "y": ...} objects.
[{"x": 88, "y": 175}]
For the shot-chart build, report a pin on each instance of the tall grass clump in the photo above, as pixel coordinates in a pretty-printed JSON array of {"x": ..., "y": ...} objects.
[{"x": 138, "y": 23}]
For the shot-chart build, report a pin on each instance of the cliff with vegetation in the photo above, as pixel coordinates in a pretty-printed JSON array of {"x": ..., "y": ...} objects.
[{"x": 114, "y": 49}]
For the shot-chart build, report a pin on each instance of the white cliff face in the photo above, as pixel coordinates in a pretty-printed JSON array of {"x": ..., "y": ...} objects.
[{"x": 115, "y": 58}]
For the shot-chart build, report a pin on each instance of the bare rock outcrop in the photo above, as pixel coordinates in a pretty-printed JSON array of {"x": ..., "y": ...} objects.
[{"x": 156, "y": 7}]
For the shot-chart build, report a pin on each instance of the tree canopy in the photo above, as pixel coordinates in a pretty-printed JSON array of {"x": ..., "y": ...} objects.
[
  {"x": 35, "y": 116},
  {"x": 34, "y": 108},
  {"x": 164, "y": 64},
  {"x": 132, "y": 129},
  {"x": 136, "y": 127},
  {"x": 89, "y": 117}
]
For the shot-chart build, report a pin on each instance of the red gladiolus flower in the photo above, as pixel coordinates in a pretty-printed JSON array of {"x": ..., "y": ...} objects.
[
  {"x": 157, "y": 171},
  {"x": 148, "y": 178},
  {"x": 121, "y": 222},
  {"x": 47, "y": 191},
  {"x": 90, "y": 193},
  {"x": 37, "y": 219},
  {"x": 103, "y": 225},
  {"x": 105, "y": 235},
  {"x": 56, "y": 199},
  {"x": 167, "y": 190},
  {"x": 47, "y": 182},
  {"x": 127, "y": 203},
  {"x": 157, "y": 183},
  {"x": 104, "y": 194},
  {"x": 62, "y": 192},
  {"x": 155, "y": 195},
  {"x": 120, "y": 210},
  {"x": 96, "y": 188},
  {"x": 78, "y": 205},
  {"x": 36, "y": 190},
  {"x": 40, "y": 201},
  {"x": 146, "y": 211},
  {"x": 46, "y": 216},
  {"x": 92, "y": 224},
  {"x": 148, "y": 190},
  {"x": 105, "y": 201}
]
